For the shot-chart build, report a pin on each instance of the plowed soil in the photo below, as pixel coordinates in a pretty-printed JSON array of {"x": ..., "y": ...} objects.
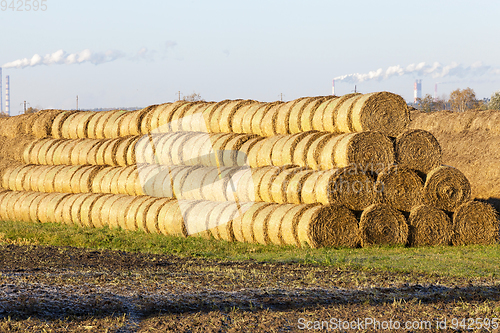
[{"x": 51, "y": 289}]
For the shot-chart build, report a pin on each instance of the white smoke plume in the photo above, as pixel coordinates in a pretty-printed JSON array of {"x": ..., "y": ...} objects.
[
  {"x": 435, "y": 70},
  {"x": 63, "y": 58}
]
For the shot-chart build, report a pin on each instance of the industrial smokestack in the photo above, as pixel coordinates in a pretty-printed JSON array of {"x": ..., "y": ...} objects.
[
  {"x": 417, "y": 90},
  {"x": 333, "y": 87},
  {"x": 7, "y": 95}
]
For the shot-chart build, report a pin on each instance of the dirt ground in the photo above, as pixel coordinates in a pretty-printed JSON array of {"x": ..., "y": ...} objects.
[{"x": 51, "y": 289}]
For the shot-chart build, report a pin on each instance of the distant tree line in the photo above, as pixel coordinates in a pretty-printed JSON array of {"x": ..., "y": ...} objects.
[{"x": 459, "y": 101}]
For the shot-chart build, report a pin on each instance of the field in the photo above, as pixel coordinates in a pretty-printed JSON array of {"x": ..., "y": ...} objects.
[
  {"x": 132, "y": 222},
  {"x": 122, "y": 281}
]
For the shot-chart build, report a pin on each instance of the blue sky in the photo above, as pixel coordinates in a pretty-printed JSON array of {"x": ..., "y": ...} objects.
[{"x": 140, "y": 53}]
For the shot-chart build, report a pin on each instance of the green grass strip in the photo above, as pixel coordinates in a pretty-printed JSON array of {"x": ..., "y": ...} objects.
[{"x": 473, "y": 261}]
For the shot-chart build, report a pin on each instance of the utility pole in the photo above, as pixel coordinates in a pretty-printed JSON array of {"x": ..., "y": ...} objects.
[
  {"x": 179, "y": 96},
  {"x": 24, "y": 106},
  {"x": 281, "y": 97},
  {"x": 76, "y": 102}
]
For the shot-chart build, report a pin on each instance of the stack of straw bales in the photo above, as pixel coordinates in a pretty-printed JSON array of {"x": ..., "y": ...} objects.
[{"x": 319, "y": 171}]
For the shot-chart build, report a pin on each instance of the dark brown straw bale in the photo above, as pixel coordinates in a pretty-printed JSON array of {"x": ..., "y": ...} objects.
[
  {"x": 380, "y": 224},
  {"x": 328, "y": 226},
  {"x": 475, "y": 222},
  {"x": 446, "y": 188},
  {"x": 42, "y": 126},
  {"x": 349, "y": 186},
  {"x": 429, "y": 226},
  {"x": 400, "y": 187},
  {"x": 385, "y": 112},
  {"x": 418, "y": 150}
]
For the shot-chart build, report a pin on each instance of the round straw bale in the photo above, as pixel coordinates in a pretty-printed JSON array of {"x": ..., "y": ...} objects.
[
  {"x": 85, "y": 180},
  {"x": 176, "y": 120},
  {"x": 196, "y": 217},
  {"x": 252, "y": 156},
  {"x": 48, "y": 205},
  {"x": 17, "y": 178},
  {"x": 27, "y": 152},
  {"x": 55, "y": 206},
  {"x": 65, "y": 155},
  {"x": 263, "y": 185},
  {"x": 278, "y": 186},
  {"x": 94, "y": 218},
  {"x": 62, "y": 183},
  {"x": 242, "y": 180},
  {"x": 35, "y": 177},
  {"x": 344, "y": 121},
  {"x": 163, "y": 147},
  {"x": 126, "y": 122},
  {"x": 25, "y": 206},
  {"x": 102, "y": 122},
  {"x": 164, "y": 116},
  {"x": 101, "y": 150},
  {"x": 330, "y": 113},
  {"x": 147, "y": 178},
  {"x": 212, "y": 114},
  {"x": 153, "y": 215},
  {"x": 57, "y": 155},
  {"x": 283, "y": 119},
  {"x": 193, "y": 120},
  {"x": 314, "y": 151},
  {"x": 242, "y": 120},
  {"x": 133, "y": 183},
  {"x": 129, "y": 221},
  {"x": 225, "y": 226},
  {"x": 290, "y": 222},
  {"x": 83, "y": 124},
  {"x": 38, "y": 179},
  {"x": 309, "y": 111},
  {"x": 92, "y": 127},
  {"x": 142, "y": 212},
  {"x": 15, "y": 211},
  {"x": 205, "y": 154},
  {"x": 107, "y": 180},
  {"x": 144, "y": 120},
  {"x": 178, "y": 146},
  {"x": 83, "y": 146},
  {"x": 216, "y": 118},
  {"x": 57, "y": 123},
  {"x": 238, "y": 221},
  {"x": 264, "y": 156},
  {"x": 429, "y": 226},
  {"x": 274, "y": 224},
  {"x": 48, "y": 159},
  {"x": 214, "y": 218},
  {"x": 327, "y": 226},
  {"x": 179, "y": 178},
  {"x": 43, "y": 149},
  {"x": 288, "y": 148},
  {"x": 371, "y": 151},
  {"x": 97, "y": 179},
  {"x": 189, "y": 155},
  {"x": 144, "y": 149},
  {"x": 163, "y": 185},
  {"x": 301, "y": 147},
  {"x": 385, "y": 112},
  {"x": 122, "y": 179},
  {"x": 193, "y": 184},
  {"x": 418, "y": 149},
  {"x": 220, "y": 188},
  {"x": 295, "y": 119},
  {"x": 34, "y": 205},
  {"x": 42, "y": 126},
  {"x": 63, "y": 212},
  {"x": 8, "y": 200},
  {"x": 228, "y": 113},
  {"x": 475, "y": 222},
  {"x": 446, "y": 188},
  {"x": 219, "y": 145},
  {"x": 69, "y": 125},
  {"x": 260, "y": 224},
  {"x": 400, "y": 187},
  {"x": 257, "y": 123},
  {"x": 110, "y": 154},
  {"x": 50, "y": 177},
  {"x": 232, "y": 150},
  {"x": 113, "y": 124},
  {"x": 171, "y": 221},
  {"x": 381, "y": 224},
  {"x": 73, "y": 186},
  {"x": 317, "y": 117},
  {"x": 277, "y": 151},
  {"x": 122, "y": 148},
  {"x": 297, "y": 186},
  {"x": 76, "y": 208},
  {"x": 269, "y": 126},
  {"x": 118, "y": 211}
]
